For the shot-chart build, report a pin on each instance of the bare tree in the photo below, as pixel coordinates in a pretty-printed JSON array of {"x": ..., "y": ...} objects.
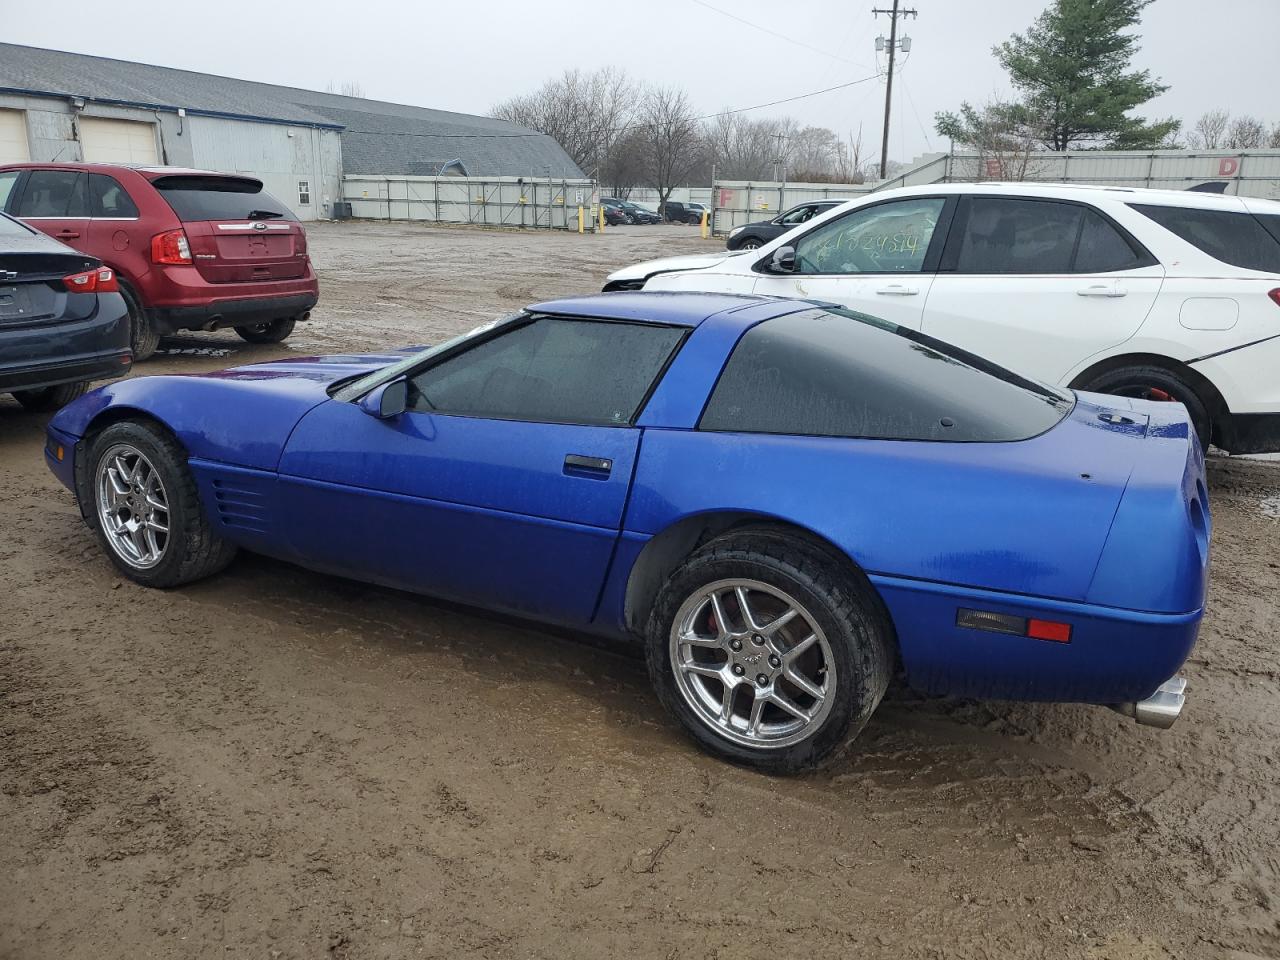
[
  {"x": 1209, "y": 131},
  {"x": 1273, "y": 138},
  {"x": 743, "y": 148},
  {"x": 348, "y": 88},
  {"x": 1245, "y": 133},
  {"x": 585, "y": 113},
  {"x": 814, "y": 155},
  {"x": 851, "y": 159},
  {"x": 671, "y": 140}
]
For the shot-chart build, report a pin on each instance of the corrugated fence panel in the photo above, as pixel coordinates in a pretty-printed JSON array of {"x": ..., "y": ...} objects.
[{"x": 488, "y": 201}]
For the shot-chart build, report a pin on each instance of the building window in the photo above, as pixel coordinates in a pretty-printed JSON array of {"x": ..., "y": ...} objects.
[{"x": 304, "y": 193}]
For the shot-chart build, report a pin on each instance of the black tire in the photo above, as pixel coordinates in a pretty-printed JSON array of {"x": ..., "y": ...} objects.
[
  {"x": 1156, "y": 383},
  {"x": 50, "y": 398},
  {"x": 143, "y": 336},
  {"x": 269, "y": 331},
  {"x": 840, "y": 601},
  {"x": 192, "y": 550},
  {"x": 750, "y": 243}
]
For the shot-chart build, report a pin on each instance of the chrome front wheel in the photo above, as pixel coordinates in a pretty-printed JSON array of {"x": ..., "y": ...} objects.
[
  {"x": 133, "y": 506},
  {"x": 752, "y": 663}
]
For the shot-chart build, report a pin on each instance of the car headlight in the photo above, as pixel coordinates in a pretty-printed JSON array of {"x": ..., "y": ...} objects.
[{"x": 735, "y": 231}]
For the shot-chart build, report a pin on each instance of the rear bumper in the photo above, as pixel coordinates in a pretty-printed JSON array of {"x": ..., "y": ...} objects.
[
  {"x": 1113, "y": 657},
  {"x": 233, "y": 312},
  {"x": 105, "y": 366},
  {"x": 49, "y": 354}
]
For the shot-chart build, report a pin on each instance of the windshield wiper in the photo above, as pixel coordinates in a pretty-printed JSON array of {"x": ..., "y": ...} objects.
[{"x": 262, "y": 214}]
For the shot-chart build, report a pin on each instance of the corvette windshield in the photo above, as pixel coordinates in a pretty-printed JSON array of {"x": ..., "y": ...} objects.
[{"x": 357, "y": 388}]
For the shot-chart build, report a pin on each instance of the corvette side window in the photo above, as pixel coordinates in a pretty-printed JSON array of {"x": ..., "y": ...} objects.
[
  {"x": 834, "y": 373},
  {"x": 886, "y": 238},
  {"x": 551, "y": 370}
]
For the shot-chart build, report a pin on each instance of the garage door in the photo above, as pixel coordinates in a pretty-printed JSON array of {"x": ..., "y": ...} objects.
[
  {"x": 118, "y": 141},
  {"x": 13, "y": 137}
]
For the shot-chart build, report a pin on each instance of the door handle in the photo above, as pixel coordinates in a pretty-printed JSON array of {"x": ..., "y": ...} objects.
[
  {"x": 68, "y": 234},
  {"x": 1103, "y": 290},
  {"x": 575, "y": 464},
  {"x": 897, "y": 290}
]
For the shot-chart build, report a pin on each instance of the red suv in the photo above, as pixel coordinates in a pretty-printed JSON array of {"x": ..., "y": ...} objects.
[{"x": 193, "y": 250}]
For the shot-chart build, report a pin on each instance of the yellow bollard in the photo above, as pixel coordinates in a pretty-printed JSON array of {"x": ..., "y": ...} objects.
[
  {"x": 581, "y": 220},
  {"x": 601, "y": 208},
  {"x": 706, "y": 216}
]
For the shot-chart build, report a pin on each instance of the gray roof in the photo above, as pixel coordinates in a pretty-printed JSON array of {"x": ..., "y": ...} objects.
[{"x": 377, "y": 137}]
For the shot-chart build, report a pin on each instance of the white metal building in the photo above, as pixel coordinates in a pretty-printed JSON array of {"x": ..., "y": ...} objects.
[{"x": 67, "y": 106}]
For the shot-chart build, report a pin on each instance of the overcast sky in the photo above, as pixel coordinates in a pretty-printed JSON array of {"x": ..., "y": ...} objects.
[{"x": 468, "y": 56}]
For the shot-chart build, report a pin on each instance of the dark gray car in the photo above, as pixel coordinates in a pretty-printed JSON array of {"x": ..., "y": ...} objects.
[
  {"x": 757, "y": 234},
  {"x": 63, "y": 322}
]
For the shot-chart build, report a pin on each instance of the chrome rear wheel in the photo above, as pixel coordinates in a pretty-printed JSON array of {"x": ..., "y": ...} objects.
[{"x": 752, "y": 663}]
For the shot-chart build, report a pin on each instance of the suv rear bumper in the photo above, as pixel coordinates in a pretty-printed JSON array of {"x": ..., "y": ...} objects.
[{"x": 237, "y": 312}]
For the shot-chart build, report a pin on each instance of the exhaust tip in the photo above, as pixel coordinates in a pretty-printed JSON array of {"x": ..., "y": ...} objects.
[{"x": 1160, "y": 709}]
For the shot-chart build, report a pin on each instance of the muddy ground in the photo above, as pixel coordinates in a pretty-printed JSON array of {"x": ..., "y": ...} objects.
[{"x": 276, "y": 764}]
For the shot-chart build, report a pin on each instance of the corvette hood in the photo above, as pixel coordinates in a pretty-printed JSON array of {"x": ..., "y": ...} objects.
[
  {"x": 240, "y": 416},
  {"x": 698, "y": 261}
]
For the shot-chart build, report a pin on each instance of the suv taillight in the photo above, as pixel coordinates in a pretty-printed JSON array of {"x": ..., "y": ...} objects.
[
  {"x": 1275, "y": 296},
  {"x": 170, "y": 247},
  {"x": 99, "y": 280}
]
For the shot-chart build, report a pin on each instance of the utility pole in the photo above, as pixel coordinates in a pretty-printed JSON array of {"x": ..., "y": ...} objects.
[
  {"x": 780, "y": 168},
  {"x": 894, "y": 15}
]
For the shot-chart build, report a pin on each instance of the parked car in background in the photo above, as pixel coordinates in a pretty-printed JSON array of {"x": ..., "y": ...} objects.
[
  {"x": 192, "y": 249},
  {"x": 636, "y": 213},
  {"x": 752, "y": 235},
  {"x": 696, "y": 211},
  {"x": 819, "y": 496},
  {"x": 677, "y": 212},
  {"x": 614, "y": 214},
  {"x": 63, "y": 322},
  {"x": 1159, "y": 295}
]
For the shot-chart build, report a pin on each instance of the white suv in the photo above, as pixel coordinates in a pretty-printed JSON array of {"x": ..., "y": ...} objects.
[{"x": 1165, "y": 295}]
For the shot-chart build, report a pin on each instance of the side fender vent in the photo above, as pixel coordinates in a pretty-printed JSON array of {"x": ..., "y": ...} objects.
[{"x": 242, "y": 503}]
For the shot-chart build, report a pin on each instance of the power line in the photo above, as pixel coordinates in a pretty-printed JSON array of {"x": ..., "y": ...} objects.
[{"x": 774, "y": 33}]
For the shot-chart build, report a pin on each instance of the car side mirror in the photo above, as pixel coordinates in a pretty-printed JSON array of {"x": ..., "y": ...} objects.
[
  {"x": 783, "y": 260},
  {"x": 387, "y": 401}
]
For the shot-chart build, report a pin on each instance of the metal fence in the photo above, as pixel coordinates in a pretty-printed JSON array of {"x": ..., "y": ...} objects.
[
  {"x": 546, "y": 203},
  {"x": 1250, "y": 173}
]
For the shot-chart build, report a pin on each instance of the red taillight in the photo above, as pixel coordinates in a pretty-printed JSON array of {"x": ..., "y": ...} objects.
[
  {"x": 170, "y": 247},
  {"x": 100, "y": 280},
  {"x": 1275, "y": 296},
  {"x": 1049, "y": 630}
]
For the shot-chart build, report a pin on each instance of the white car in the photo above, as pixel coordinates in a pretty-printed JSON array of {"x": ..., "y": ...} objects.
[{"x": 1159, "y": 294}]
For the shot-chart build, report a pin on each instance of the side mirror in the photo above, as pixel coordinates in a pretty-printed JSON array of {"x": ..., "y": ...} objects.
[
  {"x": 386, "y": 401},
  {"x": 783, "y": 260}
]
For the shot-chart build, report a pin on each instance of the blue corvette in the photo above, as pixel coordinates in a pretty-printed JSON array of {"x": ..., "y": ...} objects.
[{"x": 785, "y": 501}]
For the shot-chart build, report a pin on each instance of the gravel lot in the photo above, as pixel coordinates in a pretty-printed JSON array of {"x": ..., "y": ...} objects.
[{"x": 277, "y": 764}]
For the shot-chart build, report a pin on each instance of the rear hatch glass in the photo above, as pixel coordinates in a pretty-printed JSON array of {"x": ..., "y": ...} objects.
[{"x": 238, "y": 231}]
